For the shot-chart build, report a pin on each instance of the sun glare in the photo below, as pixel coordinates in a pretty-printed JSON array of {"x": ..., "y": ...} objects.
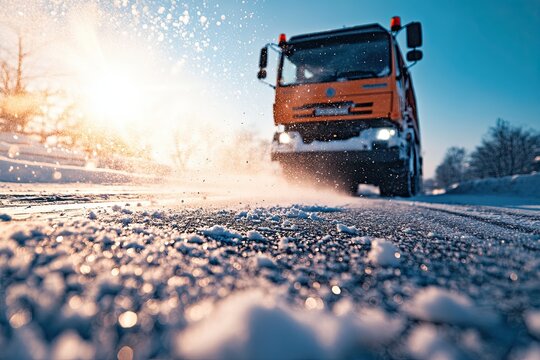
[{"x": 113, "y": 98}]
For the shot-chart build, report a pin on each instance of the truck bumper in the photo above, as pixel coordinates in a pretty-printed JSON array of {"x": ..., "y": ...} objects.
[
  {"x": 359, "y": 157},
  {"x": 370, "y": 167}
]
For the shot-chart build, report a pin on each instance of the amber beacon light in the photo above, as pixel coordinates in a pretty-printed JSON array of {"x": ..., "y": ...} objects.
[{"x": 395, "y": 23}]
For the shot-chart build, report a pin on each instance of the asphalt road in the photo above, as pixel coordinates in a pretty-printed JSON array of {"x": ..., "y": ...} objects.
[{"x": 134, "y": 271}]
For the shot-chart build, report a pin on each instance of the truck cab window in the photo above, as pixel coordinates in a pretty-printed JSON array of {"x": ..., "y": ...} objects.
[
  {"x": 344, "y": 59},
  {"x": 290, "y": 72}
]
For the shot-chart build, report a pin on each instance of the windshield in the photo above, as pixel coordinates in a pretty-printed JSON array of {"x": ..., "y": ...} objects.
[{"x": 341, "y": 59}]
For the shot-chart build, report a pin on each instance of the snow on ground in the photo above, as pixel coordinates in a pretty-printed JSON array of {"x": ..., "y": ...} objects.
[
  {"x": 22, "y": 147},
  {"x": 518, "y": 192},
  {"x": 24, "y": 171},
  {"x": 427, "y": 342},
  {"x": 511, "y": 192},
  {"x": 532, "y": 319},
  {"x": 253, "y": 325},
  {"x": 442, "y": 306},
  {"x": 199, "y": 283},
  {"x": 24, "y": 160},
  {"x": 342, "y": 228},
  {"x": 219, "y": 232},
  {"x": 255, "y": 235},
  {"x": 516, "y": 185},
  {"x": 383, "y": 253},
  {"x": 500, "y": 201},
  {"x": 530, "y": 353}
]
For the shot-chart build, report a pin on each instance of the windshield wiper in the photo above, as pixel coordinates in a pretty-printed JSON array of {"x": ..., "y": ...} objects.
[{"x": 357, "y": 74}]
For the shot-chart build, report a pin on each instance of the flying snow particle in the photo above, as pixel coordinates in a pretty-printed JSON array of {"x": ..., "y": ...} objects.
[{"x": 127, "y": 319}]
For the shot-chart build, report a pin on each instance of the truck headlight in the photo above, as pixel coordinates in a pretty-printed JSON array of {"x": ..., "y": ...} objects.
[
  {"x": 284, "y": 138},
  {"x": 385, "y": 134}
]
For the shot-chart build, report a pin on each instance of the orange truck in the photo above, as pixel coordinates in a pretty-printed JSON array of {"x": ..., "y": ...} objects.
[{"x": 345, "y": 108}]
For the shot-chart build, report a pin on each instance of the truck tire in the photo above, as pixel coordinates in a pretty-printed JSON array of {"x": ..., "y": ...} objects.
[
  {"x": 417, "y": 174},
  {"x": 403, "y": 183},
  {"x": 396, "y": 185}
]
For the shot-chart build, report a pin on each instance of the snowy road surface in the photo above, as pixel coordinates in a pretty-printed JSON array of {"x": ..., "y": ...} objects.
[{"x": 146, "y": 272}]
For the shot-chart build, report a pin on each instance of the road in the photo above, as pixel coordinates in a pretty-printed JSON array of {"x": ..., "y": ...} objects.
[{"x": 210, "y": 272}]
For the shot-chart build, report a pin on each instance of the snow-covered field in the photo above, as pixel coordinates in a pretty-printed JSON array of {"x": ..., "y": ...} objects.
[
  {"x": 23, "y": 171},
  {"x": 102, "y": 272},
  {"x": 518, "y": 192},
  {"x": 517, "y": 185},
  {"x": 25, "y": 160}
]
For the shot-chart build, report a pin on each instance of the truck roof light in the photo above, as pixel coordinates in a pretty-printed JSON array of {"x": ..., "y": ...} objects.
[
  {"x": 282, "y": 39},
  {"x": 395, "y": 23}
]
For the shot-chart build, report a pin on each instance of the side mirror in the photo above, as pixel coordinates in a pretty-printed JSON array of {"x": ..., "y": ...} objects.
[
  {"x": 414, "y": 55},
  {"x": 414, "y": 35},
  {"x": 261, "y": 74},
  {"x": 263, "y": 63},
  {"x": 263, "y": 59}
]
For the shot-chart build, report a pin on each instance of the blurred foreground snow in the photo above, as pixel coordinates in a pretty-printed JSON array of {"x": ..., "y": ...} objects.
[{"x": 384, "y": 279}]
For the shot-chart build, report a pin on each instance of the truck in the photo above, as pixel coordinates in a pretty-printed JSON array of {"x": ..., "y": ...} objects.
[{"x": 345, "y": 109}]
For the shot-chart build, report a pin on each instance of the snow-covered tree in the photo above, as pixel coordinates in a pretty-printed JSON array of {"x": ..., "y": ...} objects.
[
  {"x": 505, "y": 150},
  {"x": 453, "y": 168}
]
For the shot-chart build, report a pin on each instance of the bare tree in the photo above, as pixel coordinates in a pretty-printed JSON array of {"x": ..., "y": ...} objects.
[
  {"x": 25, "y": 90},
  {"x": 453, "y": 168},
  {"x": 506, "y": 150},
  {"x": 17, "y": 106}
]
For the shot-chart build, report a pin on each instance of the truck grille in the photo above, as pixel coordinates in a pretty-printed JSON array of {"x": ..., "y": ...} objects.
[
  {"x": 334, "y": 130},
  {"x": 343, "y": 108}
]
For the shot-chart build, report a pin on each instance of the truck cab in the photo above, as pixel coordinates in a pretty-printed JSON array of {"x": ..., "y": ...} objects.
[{"x": 345, "y": 109}]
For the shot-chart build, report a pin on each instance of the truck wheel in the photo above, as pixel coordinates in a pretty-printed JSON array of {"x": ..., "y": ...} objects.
[
  {"x": 397, "y": 185},
  {"x": 416, "y": 180},
  {"x": 416, "y": 185},
  {"x": 403, "y": 183}
]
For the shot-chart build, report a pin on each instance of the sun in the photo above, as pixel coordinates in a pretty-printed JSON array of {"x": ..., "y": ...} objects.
[{"x": 113, "y": 97}]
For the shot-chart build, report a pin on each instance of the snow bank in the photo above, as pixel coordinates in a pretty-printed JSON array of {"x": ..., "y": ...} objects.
[
  {"x": 438, "y": 305},
  {"x": 26, "y": 148},
  {"x": 35, "y": 172},
  {"x": 252, "y": 325},
  {"x": 517, "y": 185},
  {"x": 24, "y": 159}
]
